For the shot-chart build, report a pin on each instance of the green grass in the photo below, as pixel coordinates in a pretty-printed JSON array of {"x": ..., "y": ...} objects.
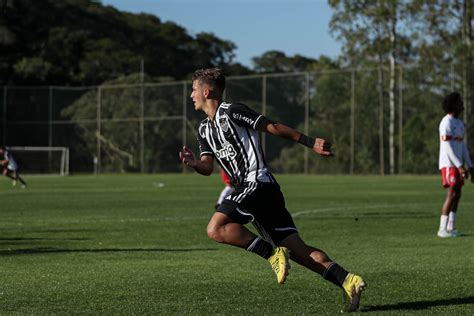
[{"x": 137, "y": 244}]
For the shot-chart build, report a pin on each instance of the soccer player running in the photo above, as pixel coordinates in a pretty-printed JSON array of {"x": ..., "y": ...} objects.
[
  {"x": 230, "y": 134},
  {"x": 10, "y": 167},
  {"x": 453, "y": 159}
]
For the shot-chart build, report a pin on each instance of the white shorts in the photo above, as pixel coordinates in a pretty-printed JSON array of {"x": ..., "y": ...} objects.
[{"x": 12, "y": 165}]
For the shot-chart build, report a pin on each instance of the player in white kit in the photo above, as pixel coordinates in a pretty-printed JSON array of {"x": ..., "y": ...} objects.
[
  {"x": 10, "y": 167},
  {"x": 453, "y": 162}
]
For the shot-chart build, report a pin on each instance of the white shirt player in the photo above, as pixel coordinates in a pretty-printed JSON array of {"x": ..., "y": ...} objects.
[
  {"x": 452, "y": 150},
  {"x": 12, "y": 165}
]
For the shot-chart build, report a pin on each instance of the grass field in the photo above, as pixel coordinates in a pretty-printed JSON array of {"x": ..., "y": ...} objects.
[{"x": 137, "y": 244}]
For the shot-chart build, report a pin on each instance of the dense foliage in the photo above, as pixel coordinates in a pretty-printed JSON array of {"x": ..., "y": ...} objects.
[
  {"x": 395, "y": 53},
  {"x": 82, "y": 42}
]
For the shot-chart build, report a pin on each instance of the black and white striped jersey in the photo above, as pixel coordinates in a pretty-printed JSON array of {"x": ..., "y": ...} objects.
[{"x": 233, "y": 139}]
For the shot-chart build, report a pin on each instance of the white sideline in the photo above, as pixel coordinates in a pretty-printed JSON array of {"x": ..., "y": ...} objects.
[{"x": 188, "y": 218}]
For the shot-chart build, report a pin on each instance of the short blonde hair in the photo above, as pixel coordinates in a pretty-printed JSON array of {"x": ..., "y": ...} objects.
[{"x": 211, "y": 76}]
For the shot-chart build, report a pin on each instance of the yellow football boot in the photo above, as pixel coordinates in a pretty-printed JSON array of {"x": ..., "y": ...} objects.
[
  {"x": 280, "y": 264},
  {"x": 352, "y": 289}
]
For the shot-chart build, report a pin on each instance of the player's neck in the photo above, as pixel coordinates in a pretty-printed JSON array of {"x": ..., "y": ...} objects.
[{"x": 211, "y": 108}]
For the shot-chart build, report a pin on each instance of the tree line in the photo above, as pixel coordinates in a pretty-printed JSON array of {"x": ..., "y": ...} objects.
[{"x": 427, "y": 43}]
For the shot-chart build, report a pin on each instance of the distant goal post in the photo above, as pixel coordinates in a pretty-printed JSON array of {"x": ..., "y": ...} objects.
[{"x": 42, "y": 160}]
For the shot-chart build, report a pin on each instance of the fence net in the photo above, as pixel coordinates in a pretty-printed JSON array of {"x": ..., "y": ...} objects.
[{"x": 141, "y": 127}]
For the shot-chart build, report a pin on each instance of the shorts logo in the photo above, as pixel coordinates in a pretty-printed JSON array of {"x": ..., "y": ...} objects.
[
  {"x": 452, "y": 179},
  {"x": 227, "y": 152},
  {"x": 224, "y": 124}
]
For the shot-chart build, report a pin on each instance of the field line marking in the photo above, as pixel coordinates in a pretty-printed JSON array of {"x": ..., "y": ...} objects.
[{"x": 352, "y": 208}]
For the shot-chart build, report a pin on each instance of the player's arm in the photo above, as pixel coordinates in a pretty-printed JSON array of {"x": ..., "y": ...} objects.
[
  {"x": 246, "y": 117},
  {"x": 203, "y": 166},
  {"x": 318, "y": 145}
]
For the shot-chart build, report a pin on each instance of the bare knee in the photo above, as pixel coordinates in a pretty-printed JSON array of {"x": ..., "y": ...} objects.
[
  {"x": 454, "y": 195},
  {"x": 215, "y": 232}
]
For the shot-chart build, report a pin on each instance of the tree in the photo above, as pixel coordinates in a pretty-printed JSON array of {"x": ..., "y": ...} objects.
[
  {"x": 448, "y": 48},
  {"x": 113, "y": 133},
  {"x": 82, "y": 42},
  {"x": 370, "y": 33}
]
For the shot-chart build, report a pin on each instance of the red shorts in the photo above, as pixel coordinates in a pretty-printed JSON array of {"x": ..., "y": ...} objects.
[
  {"x": 225, "y": 177},
  {"x": 452, "y": 177}
]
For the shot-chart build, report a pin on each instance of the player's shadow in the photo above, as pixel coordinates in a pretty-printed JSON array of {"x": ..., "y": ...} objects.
[
  {"x": 420, "y": 305},
  {"x": 33, "y": 251}
]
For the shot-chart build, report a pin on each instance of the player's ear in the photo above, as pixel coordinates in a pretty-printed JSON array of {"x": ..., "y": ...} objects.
[{"x": 207, "y": 93}]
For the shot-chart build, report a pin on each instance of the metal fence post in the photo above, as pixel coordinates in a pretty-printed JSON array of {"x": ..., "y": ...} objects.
[
  {"x": 400, "y": 121},
  {"x": 98, "y": 155},
  {"x": 352, "y": 121},
  {"x": 306, "y": 121},
  {"x": 5, "y": 91},
  {"x": 50, "y": 127},
  {"x": 381, "y": 149},
  {"x": 142, "y": 118},
  {"x": 185, "y": 117}
]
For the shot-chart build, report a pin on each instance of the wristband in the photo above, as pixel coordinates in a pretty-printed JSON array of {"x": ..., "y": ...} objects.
[{"x": 307, "y": 140}]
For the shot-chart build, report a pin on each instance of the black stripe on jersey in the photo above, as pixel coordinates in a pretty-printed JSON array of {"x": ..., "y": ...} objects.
[
  {"x": 212, "y": 143},
  {"x": 235, "y": 174},
  {"x": 256, "y": 153},
  {"x": 232, "y": 163},
  {"x": 243, "y": 166},
  {"x": 241, "y": 147},
  {"x": 259, "y": 157},
  {"x": 269, "y": 175}
]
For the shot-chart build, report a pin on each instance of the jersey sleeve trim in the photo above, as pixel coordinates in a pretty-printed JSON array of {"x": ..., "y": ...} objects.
[
  {"x": 257, "y": 121},
  {"x": 208, "y": 153}
]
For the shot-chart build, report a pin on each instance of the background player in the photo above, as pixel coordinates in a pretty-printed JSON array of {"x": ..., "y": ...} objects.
[
  {"x": 228, "y": 189},
  {"x": 453, "y": 157},
  {"x": 10, "y": 167},
  {"x": 230, "y": 134}
]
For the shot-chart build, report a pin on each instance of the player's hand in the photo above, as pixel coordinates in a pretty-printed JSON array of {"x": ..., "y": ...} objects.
[
  {"x": 187, "y": 157},
  {"x": 463, "y": 172},
  {"x": 322, "y": 147}
]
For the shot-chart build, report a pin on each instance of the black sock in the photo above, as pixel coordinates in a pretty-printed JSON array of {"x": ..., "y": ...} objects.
[
  {"x": 22, "y": 181},
  {"x": 260, "y": 247},
  {"x": 335, "y": 274}
]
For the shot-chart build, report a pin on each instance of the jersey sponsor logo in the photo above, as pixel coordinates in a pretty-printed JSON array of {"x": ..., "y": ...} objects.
[
  {"x": 244, "y": 118},
  {"x": 224, "y": 124},
  {"x": 226, "y": 152}
]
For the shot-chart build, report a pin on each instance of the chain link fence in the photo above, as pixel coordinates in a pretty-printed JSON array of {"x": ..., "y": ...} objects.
[{"x": 141, "y": 127}]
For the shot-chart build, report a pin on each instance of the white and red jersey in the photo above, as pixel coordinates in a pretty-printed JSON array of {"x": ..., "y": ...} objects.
[{"x": 452, "y": 150}]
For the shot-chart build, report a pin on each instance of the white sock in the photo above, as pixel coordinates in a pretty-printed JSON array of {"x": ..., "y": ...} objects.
[
  {"x": 451, "y": 220},
  {"x": 443, "y": 222}
]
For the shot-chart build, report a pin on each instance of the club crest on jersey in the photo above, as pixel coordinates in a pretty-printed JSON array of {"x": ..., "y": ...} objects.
[
  {"x": 226, "y": 152},
  {"x": 224, "y": 124}
]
